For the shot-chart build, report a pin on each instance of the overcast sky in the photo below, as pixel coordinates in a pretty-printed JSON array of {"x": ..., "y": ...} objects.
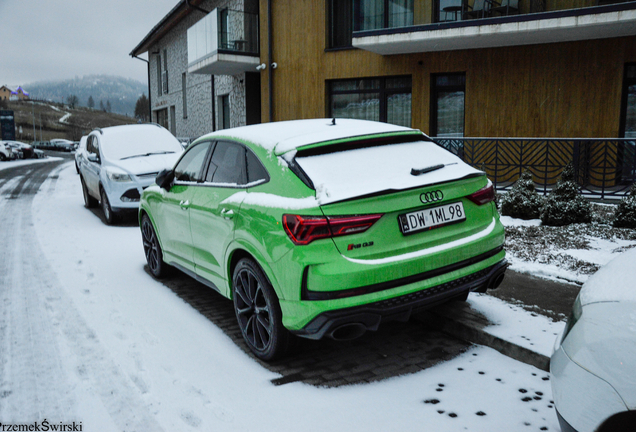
[{"x": 61, "y": 39}]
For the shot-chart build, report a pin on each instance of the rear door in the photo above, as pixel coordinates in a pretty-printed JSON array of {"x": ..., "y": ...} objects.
[
  {"x": 91, "y": 169},
  {"x": 214, "y": 212}
]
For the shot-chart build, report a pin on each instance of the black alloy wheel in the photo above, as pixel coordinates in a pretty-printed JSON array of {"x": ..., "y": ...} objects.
[
  {"x": 109, "y": 215},
  {"x": 89, "y": 201},
  {"x": 152, "y": 249},
  {"x": 258, "y": 312}
]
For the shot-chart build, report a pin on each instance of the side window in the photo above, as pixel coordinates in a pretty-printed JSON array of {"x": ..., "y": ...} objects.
[
  {"x": 190, "y": 166},
  {"x": 255, "y": 170},
  {"x": 227, "y": 164}
]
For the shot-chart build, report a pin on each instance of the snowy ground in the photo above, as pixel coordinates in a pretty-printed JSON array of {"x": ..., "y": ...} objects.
[
  {"x": 20, "y": 162},
  {"x": 111, "y": 347},
  {"x": 571, "y": 253}
]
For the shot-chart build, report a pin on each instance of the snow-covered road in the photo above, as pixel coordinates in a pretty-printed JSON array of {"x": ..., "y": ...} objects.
[{"x": 86, "y": 335}]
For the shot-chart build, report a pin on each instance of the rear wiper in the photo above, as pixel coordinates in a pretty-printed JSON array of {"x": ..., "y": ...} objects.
[
  {"x": 147, "y": 154},
  {"x": 416, "y": 172}
]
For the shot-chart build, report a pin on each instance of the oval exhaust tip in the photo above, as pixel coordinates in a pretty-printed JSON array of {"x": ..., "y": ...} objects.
[
  {"x": 496, "y": 281},
  {"x": 348, "y": 332}
]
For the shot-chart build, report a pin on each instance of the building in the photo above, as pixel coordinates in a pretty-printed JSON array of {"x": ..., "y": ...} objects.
[
  {"x": 541, "y": 82},
  {"x": 201, "y": 71},
  {"x": 5, "y": 92},
  {"x": 17, "y": 94}
]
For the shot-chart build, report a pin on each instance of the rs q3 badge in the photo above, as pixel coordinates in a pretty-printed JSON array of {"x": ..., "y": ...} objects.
[{"x": 431, "y": 197}]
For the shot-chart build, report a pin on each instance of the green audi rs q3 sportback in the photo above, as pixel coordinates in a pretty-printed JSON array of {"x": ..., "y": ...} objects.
[{"x": 323, "y": 227}]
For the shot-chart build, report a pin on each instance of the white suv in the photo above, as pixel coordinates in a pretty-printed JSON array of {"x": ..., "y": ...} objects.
[{"x": 121, "y": 161}]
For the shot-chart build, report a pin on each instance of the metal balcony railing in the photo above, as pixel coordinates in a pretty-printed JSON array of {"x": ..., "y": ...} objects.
[{"x": 605, "y": 168}]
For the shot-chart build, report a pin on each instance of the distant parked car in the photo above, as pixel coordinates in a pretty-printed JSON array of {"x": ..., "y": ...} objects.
[
  {"x": 80, "y": 153},
  {"x": 121, "y": 161},
  {"x": 324, "y": 229},
  {"x": 594, "y": 363},
  {"x": 25, "y": 150},
  {"x": 6, "y": 152},
  {"x": 62, "y": 144}
]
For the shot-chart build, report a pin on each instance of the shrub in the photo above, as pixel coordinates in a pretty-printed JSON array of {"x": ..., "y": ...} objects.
[
  {"x": 522, "y": 201},
  {"x": 565, "y": 205},
  {"x": 625, "y": 215}
]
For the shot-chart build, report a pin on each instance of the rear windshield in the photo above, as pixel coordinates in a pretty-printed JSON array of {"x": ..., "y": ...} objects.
[{"x": 358, "y": 172}]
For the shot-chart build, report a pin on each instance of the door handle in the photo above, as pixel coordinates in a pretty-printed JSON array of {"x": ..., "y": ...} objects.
[
  {"x": 227, "y": 214},
  {"x": 184, "y": 204}
]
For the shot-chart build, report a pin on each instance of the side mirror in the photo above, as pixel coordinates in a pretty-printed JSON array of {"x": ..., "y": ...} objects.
[
  {"x": 164, "y": 179},
  {"x": 92, "y": 157}
]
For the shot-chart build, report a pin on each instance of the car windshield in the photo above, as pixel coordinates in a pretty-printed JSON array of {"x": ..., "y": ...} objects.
[{"x": 138, "y": 142}]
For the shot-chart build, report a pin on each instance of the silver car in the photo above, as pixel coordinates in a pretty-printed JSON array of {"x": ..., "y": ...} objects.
[{"x": 122, "y": 161}]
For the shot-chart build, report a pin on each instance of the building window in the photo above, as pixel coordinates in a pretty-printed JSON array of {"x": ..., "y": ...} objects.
[
  {"x": 627, "y": 149},
  {"x": 224, "y": 111},
  {"x": 447, "y": 105},
  {"x": 340, "y": 24},
  {"x": 379, "y": 14},
  {"x": 628, "y": 111},
  {"x": 185, "y": 95},
  {"x": 162, "y": 117},
  {"x": 164, "y": 75},
  {"x": 173, "y": 120},
  {"x": 380, "y": 99},
  {"x": 158, "y": 74}
]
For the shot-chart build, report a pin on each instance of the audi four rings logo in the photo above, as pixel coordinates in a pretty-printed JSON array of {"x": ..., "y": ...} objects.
[{"x": 429, "y": 197}]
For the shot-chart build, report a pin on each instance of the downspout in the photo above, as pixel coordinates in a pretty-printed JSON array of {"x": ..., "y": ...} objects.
[
  {"x": 270, "y": 61},
  {"x": 149, "y": 100},
  {"x": 213, "y": 107}
]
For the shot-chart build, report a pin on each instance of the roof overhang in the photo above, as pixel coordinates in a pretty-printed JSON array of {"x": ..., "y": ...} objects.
[
  {"x": 539, "y": 28},
  {"x": 174, "y": 17}
]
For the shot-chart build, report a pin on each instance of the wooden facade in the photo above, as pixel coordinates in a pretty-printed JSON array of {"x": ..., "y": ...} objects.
[{"x": 560, "y": 90}]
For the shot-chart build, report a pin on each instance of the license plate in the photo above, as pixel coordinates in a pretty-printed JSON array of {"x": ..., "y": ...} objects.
[{"x": 431, "y": 218}]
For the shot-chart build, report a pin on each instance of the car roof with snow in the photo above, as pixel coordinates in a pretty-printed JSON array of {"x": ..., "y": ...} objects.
[
  {"x": 284, "y": 136},
  {"x": 613, "y": 282}
]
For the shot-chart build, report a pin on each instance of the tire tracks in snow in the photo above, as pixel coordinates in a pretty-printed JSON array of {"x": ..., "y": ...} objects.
[{"x": 48, "y": 353}]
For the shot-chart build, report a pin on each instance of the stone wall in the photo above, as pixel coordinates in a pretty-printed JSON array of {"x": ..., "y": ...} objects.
[{"x": 198, "y": 86}]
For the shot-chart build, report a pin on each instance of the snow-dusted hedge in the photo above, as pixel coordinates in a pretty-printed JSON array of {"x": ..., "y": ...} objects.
[
  {"x": 625, "y": 215},
  {"x": 522, "y": 201},
  {"x": 565, "y": 205}
]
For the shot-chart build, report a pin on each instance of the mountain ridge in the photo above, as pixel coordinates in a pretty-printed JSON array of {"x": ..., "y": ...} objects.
[{"x": 122, "y": 93}]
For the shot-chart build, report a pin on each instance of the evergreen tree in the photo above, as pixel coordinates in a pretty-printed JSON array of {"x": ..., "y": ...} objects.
[
  {"x": 522, "y": 201},
  {"x": 91, "y": 102},
  {"x": 107, "y": 106},
  {"x": 142, "y": 109},
  {"x": 101, "y": 105},
  {"x": 565, "y": 205},
  {"x": 625, "y": 215}
]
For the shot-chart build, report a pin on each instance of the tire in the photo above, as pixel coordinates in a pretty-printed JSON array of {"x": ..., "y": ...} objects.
[
  {"x": 152, "y": 249},
  {"x": 258, "y": 312},
  {"x": 2, "y": 157},
  {"x": 89, "y": 201},
  {"x": 109, "y": 215}
]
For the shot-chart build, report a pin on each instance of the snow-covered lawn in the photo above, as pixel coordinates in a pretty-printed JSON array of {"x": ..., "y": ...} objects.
[
  {"x": 128, "y": 354},
  {"x": 570, "y": 253}
]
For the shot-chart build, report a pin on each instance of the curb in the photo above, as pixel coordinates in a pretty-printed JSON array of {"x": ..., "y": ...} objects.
[{"x": 460, "y": 321}]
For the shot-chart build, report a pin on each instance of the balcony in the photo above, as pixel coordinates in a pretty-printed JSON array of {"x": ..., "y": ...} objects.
[
  {"x": 457, "y": 29},
  {"x": 225, "y": 42}
]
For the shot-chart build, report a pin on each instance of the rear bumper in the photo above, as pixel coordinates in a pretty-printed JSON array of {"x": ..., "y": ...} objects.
[{"x": 400, "y": 308}]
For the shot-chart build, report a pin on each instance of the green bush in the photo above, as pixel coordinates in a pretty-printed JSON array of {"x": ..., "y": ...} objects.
[
  {"x": 625, "y": 215},
  {"x": 565, "y": 205},
  {"x": 522, "y": 201}
]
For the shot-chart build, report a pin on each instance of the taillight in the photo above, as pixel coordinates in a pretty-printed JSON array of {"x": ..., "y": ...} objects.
[
  {"x": 483, "y": 195},
  {"x": 303, "y": 230}
]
